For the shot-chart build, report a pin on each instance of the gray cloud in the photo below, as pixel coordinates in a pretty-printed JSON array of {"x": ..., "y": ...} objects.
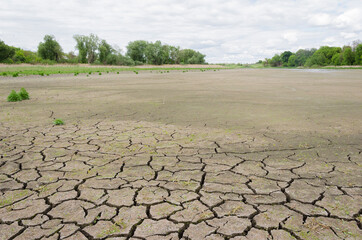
[{"x": 226, "y": 31}]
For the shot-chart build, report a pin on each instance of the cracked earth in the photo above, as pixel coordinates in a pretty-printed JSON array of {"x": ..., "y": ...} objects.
[
  {"x": 139, "y": 180},
  {"x": 233, "y": 154}
]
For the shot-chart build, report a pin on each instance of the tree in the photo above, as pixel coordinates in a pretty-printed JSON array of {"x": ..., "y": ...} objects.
[
  {"x": 275, "y": 61},
  {"x": 154, "y": 53},
  {"x": 358, "y": 55},
  {"x": 174, "y": 54},
  {"x": 19, "y": 56},
  {"x": 348, "y": 57},
  {"x": 337, "y": 59},
  {"x": 291, "y": 61},
  {"x": 87, "y": 47},
  {"x": 50, "y": 48},
  {"x": 302, "y": 55},
  {"x": 285, "y": 57},
  {"x": 189, "y": 56},
  {"x": 81, "y": 46},
  {"x": 6, "y": 51},
  {"x": 104, "y": 50},
  {"x": 137, "y": 50}
]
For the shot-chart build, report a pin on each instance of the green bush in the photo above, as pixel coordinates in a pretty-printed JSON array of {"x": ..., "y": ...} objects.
[
  {"x": 23, "y": 94},
  {"x": 13, "y": 97},
  {"x": 58, "y": 122},
  {"x": 15, "y": 74}
]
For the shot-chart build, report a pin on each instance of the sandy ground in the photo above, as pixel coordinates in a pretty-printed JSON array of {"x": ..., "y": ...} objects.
[{"x": 231, "y": 154}]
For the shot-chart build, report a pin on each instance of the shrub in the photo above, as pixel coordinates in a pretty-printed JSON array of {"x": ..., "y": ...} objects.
[
  {"x": 58, "y": 122},
  {"x": 23, "y": 94},
  {"x": 13, "y": 97},
  {"x": 15, "y": 74}
]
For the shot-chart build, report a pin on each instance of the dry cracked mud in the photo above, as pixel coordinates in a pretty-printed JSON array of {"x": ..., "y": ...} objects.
[
  {"x": 139, "y": 180},
  {"x": 232, "y": 154}
]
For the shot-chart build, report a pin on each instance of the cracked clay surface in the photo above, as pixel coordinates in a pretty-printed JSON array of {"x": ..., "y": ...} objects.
[{"x": 140, "y": 180}]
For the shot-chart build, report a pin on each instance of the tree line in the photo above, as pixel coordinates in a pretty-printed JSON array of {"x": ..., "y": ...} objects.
[
  {"x": 93, "y": 50},
  {"x": 324, "y": 56}
]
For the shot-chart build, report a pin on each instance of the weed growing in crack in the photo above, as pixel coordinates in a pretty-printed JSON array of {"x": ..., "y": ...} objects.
[
  {"x": 58, "y": 122},
  {"x": 23, "y": 94},
  {"x": 13, "y": 97}
]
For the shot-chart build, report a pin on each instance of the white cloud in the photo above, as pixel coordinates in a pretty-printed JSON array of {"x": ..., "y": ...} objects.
[
  {"x": 320, "y": 19},
  {"x": 224, "y": 30},
  {"x": 290, "y": 36},
  {"x": 349, "y": 35},
  {"x": 350, "y": 19}
]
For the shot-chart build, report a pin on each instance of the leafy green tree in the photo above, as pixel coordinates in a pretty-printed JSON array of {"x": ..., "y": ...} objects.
[
  {"x": 81, "y": 46},
  {"x": 87, "y": 47},
  {"x": 104, "y": 50},
  {"x": 318, "y": 59},
  {"x": 50, "y": 48},
  {"x": 155, "y": 53},
  {"x": 302, "y": 55},
  {"x": 174, "y": 55},
  {"x": 291, "y": 61},
  {"x": 119, "y": 59},
  {"x": 337, "y": 59},
  {"x": 358, "y": 55},
  {"x": 6, "y": 52},
  {"x": 19, "y": 56},
  {"x": 285, "y": 57},
  {"x": 275, "y": 61},
  {"x": 189, "y": 56},
  {"x": 348, "y": 57},
  {"x": 137, "y": 50}
]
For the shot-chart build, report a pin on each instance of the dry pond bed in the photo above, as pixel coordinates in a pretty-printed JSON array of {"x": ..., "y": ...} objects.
[{"x": 232, "y": 154}]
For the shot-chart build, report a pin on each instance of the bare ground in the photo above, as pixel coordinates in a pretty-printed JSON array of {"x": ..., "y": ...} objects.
[{"x": 233, "y": 154}]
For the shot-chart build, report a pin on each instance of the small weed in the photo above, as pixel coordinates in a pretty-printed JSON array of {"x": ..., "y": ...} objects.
[
  {"x": 100, "y": 73},
  {"x": 23, "y": 94},
  {"x": 4, "y": 74},
  {"x": 90, "y": 73},
  {"x": 13, "y": 97},
  {"x": 135, "y": 72},
  {"x": 15, "y": 74},
  {"x": 117, "y": 72},
  {"x": 41, "y": 74},
  {"x": 58, "y": 122}
]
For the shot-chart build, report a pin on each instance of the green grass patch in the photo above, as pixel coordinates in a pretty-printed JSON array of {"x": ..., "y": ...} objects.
[
  {"x": 13, "y": 96},
  {"x": 45, "y": 70},
  {"x": 58, "y": 122},
  {"x": 23, "y": 94}
]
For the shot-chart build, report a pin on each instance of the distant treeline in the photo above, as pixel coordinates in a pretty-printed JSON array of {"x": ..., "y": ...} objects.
[
  {"x": 92, "y": 49},
  {"x": 348, "y": 55}
]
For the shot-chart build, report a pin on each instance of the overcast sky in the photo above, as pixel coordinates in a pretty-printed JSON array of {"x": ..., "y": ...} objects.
[{"x": 226, "y": 31}]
